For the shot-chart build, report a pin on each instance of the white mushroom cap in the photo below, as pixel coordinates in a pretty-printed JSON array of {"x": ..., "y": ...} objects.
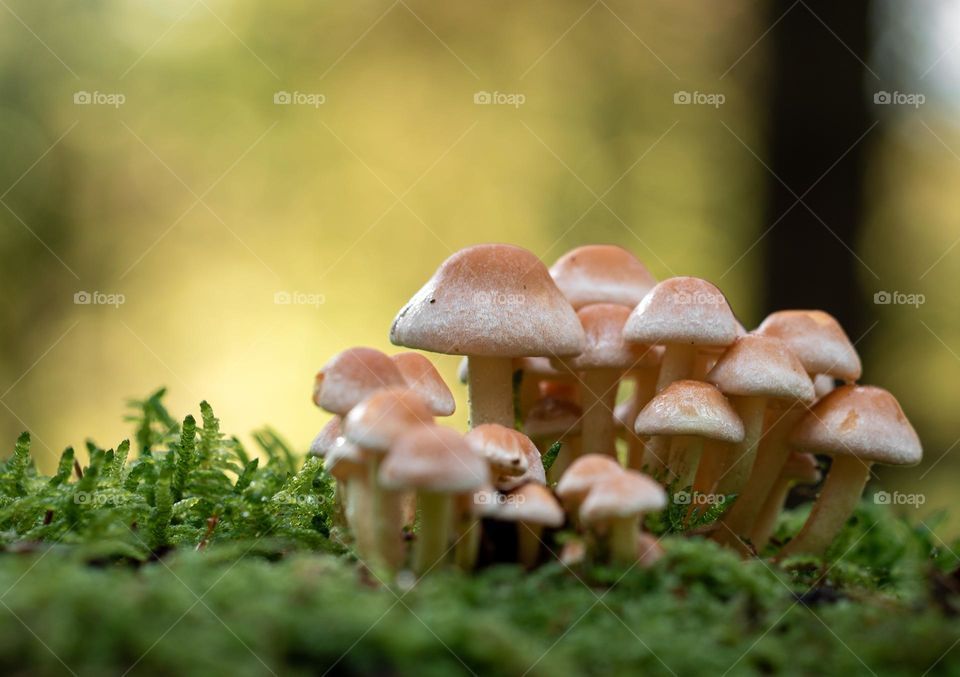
[
  {"x": 532, "y": 503},
  {"x": 503, "y": 448},
  {"x": 433, "y": 458},
  {"x": 601, "y": 273},
  {"x": 344, "y": 459},
  {"x": 762, "y": 366},
  {"x": 490, "y": 300},
  {"x": 690, "y": 408},
  {"x": 622, "y": 495},
  {"x": 326, "y": 437},
  {"x": 352, "y": 375},
  {"x": 376, "y": 422},
  {"x": 583, "y": 473},
  {"x": 862, "y": 421},
  {"x": 684, "y": 310},
  {"x": 605, "y": 346},
  {"x": 424, "y": 379},
  {"x": 817, "y": 339}
]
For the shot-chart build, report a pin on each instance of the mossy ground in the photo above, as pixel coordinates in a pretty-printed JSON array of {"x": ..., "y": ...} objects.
[{"x": 194, "y": 559}]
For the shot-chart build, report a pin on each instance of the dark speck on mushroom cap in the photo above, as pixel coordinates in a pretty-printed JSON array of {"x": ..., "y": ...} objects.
[{"x": 490, "y": 300}]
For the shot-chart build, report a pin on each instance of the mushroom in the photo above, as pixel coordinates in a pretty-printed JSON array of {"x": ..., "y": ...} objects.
[
  {"x": 551, "y": 420},
  {"x": 858, "y": 426},
  {"x": 503, "y": 448},
  {"x": 352, "y": 375},
  {"x": 822, "y": 347},
  {"x": 345, "y": 463},
  {"x": 438, "y": 464},
  {"x": 535, "y": 471},
  {"x": 580, "y": 477},
  {"x": 601, "y": 273},
  {"x": 689, "y": 412},
  {"x": 799, "y": 469},
  {"x": 613, "y": 508},
  {"x": 604, "y": 360},
  {"x": 754, "y": 370},
  {"x": 423, "y": 378},
  {"x": 533, "y": 507},
  {"x": 491, "y": 303},
  {"x": 374, "y": 425}
]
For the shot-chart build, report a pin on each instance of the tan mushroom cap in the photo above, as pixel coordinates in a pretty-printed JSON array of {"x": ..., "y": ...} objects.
[
  {"x": 424, "y": 379},
  {"x": 802, "y": 468},
  {"x": 376, "y": 422},
  {"x": 503, "y": 448},
  {"x": 690, "y": 408},
  {"x": 862, "y": 421},
  {"x": 326, "y": 437},
  {"x": 435, "y": 459},
  {"x": 601, "y": 273},
  {"x": 490, "y": 300},
  {"x": 623, "y": 495},
  {"x": 552, "y": 416},
  {"x": 605, "y": 347},
  {"x": 583, "y": 473},
  {"x": 761, "y": 366},
  {"x": 352, "y": 375},
  {"x": 532, "y": 503},
  {"x": 817, "y": 339},
  {"x": 344, "y": 460},
  {"x": 534, "y": 473},
  {"x": 683, "y": 310}
]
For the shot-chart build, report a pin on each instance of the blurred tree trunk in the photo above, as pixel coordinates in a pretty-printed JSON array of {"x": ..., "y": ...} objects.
[{"x": 818, "y": 111}]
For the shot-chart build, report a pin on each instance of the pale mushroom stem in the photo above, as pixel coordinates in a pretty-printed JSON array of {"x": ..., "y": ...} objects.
[
  {"x": 468, "y": 546},
  {"x": 359, "y": 515},
  {"x": 837, "y": 500},
  {"x": 771, "y": 457},
  {"x": 685, "y": 453},
  {"x": 528, "y": 543},
  {"x": 741, "y": 457},
  {"x": 710, "y": 468},
  {"x": 599, "y": 394},
  {"x": 677, "y": 363},
  {"x": 386, "y": 518},
  {"x": 646, "y": 388},
  {"x": 435, "y": 514},
  {"x": 490, "y": 384},
  {"x": 622, "y": 539},
  {"x": 766, "y": 521}
]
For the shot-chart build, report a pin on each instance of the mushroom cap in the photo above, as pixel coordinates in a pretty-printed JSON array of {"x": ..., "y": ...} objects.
[
  {"x": 862, "y": 421},
  {"x": 534, "y": 473},
  {"x": 761, "y": 366},
  {"x": 622, "y": 495},
  {"x": 822, "y": 385},
  {"x": 802, "y": 468},
  {"x": 550, "y": 416},
  {"x": 532, "y": 503},
  {"x": 424, "y": 379},
  {"x": 326, "y": 437},
  {"x": 352, "y": 375},
  {"x": 491, "y": 300},
  {"x": 683, "y": 310},
  {"x": 605, "y": 346},
  {"x": 583, "y": 473},
  {"x": 817, "y": 339},
  {"x": 690, "y": 408},
  {"x": 503, "y": 448},
  {"x": 433, "y": 458},
  {"x": 344, "y": 460},
  {"x": 601, "y": 273},
  {"x": 376, "y": 422}
]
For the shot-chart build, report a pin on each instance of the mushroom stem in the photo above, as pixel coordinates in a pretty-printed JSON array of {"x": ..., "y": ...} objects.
[
  {"x": 771, "y": 456},
  {"x": 710, "y": 467},
  {"x": 468, "y": 544},
  {"x": 490, "y": 384},
  {"x": 622, "y": 539},
  {"x": 386, "y": 516},
  {"x": 677, "y": 363},
  {"x": 741, "y": 456},
  {"x": 836, "y": 502},
  {"x": 528, "y": 543},
  {"x": 358, "y": 515},
  {"x": 685, "y": 452},
  {"x": 646, "y": 388},
  {"x": 599, "y": 394},
  {"x": 435, "y": 516},
  {"x": 766, "y": 521}
]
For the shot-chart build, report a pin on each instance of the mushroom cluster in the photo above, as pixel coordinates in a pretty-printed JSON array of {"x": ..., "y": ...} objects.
[{"x": 647, "y": 388}]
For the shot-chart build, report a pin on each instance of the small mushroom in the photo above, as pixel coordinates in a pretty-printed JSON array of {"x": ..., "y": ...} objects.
[
  {"x": 533, "y": 507},
  {"x": 503, "y": 448},
  {"x": 535, "y": 472},
  {"x": 613, "y": 507},
  {"x": 352, "y": 375},
  {"x": 491, "y": 303},
  {"x": 580, "y": 477},
  {"x": 346, "y": 463},
  {"x": 858, "y": 426},
  {"x": 601, "y": 273},
  {"x": 799, "y": 469},
  {"x": 423, "y": 378}
]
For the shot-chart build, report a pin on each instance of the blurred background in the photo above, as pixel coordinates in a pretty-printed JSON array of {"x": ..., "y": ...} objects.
[{"x": 217, "y": 196}]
